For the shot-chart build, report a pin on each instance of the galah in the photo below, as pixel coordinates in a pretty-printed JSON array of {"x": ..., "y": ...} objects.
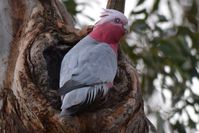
[{"x": 89, "y": 68}]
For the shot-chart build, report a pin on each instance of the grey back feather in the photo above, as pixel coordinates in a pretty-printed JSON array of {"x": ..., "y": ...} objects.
[{"x": 86, "y": 64}]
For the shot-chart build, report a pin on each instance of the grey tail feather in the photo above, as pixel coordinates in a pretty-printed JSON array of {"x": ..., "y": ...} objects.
[
  {"x": 93, "y": 96},
  {"x": 69, "y": 86}
]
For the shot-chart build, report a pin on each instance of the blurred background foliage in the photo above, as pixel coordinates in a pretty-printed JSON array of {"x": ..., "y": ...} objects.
[{"x": 164, "y": 46}]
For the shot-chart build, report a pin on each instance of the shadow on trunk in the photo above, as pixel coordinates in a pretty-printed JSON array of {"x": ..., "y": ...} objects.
[{"x": 43, "y": 33}]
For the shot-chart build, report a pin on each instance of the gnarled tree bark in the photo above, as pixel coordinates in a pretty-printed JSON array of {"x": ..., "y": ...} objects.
[{"x": 35, "y": 36}]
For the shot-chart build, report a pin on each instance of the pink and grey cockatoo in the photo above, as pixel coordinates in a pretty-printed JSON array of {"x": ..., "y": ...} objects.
[{"x": 89, "y": 68}]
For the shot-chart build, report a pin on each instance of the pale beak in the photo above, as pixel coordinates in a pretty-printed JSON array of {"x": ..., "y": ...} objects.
[{"x": 126, "y": 28}]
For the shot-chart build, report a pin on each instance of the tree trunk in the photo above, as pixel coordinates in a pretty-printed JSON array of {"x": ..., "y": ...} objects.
[{"x": 35, "y": 35}]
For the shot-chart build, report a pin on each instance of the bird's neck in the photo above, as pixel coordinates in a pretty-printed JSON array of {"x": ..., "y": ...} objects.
[{"x": 109, "y": 34}]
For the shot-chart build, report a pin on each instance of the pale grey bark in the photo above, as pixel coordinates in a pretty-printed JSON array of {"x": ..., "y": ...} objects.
[{"x": 6, "y": 34}]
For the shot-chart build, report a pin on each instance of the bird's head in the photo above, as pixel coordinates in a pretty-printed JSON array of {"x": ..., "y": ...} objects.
[
  {"x": 110, "y": 28},
  {"x": 114, "y": 19}
]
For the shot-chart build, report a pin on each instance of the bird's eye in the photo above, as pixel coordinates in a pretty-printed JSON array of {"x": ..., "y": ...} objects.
[{"x": 117, "y": 20}]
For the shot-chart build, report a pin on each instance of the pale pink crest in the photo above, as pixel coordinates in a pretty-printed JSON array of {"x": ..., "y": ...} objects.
[{"x": 110, "y": 14}]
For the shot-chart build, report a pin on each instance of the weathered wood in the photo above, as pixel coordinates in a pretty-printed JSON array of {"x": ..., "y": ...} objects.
[
  {"x": 35, "y": 26},
  {"x": 116, "y": 4},
  {"x": 40, "y": 34}
]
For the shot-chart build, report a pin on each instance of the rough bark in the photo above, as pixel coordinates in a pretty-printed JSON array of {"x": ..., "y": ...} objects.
[{"x": 35, "y": 36}]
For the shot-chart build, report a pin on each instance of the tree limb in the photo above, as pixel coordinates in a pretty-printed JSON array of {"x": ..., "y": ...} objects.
[
  {"x": 116, "y": 4},
  {"x": 30, "y": 101}
]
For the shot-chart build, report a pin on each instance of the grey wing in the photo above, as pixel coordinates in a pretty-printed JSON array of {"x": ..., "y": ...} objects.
[{"x": 94, "y": 66}]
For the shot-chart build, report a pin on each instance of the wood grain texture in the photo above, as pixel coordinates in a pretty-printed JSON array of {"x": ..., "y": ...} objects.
[
  {"x": 43, "y": 33},
  {"x": 116, "y": 4}
]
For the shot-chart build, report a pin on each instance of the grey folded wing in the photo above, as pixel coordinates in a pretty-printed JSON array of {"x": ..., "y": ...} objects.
[{"x": 94, "y": 66}]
